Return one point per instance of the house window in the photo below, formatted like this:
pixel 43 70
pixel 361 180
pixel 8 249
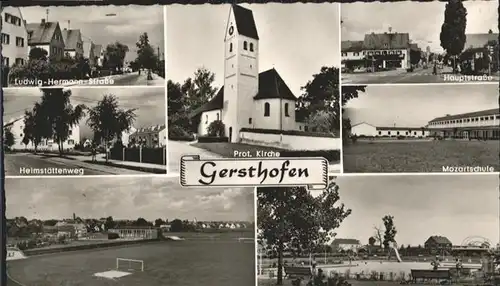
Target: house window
pixel 5 39
pixel 286 110
pixel 250 120
pixel 19 42
pixel 70 132
pixel 71 142
pixel 206 119
pixel 388 132
pixel 414 133
pixel 20 61
pixel 300 127
pixel 397 133
pixel 251 47
pixel 30 34
pixel 245 44
pixel 344 54
pixel 406 133
pixel 230 47
pixel 498 116
pixel 267 109
pixel 492 117
pixel 423 132
pixel 306 128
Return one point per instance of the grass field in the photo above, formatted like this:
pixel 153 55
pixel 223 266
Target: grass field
pixel 222 262
pixel 425 156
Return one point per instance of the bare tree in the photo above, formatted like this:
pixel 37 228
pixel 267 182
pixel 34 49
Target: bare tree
pixel 378 235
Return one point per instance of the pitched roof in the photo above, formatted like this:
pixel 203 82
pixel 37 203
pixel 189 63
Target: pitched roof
pixel 150 129
pixel 41 33
pixel 479 40
pixel 71 38
pixel 245 23
pixel 351 46
pixel 386 40
pixel 97 50
pixel 87 48
pixel 271 85
pixel 440 239
pixel 487 112
pixel 361 123
pixel 345 241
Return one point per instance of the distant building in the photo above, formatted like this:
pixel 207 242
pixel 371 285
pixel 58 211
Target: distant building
pixel 153 136
pixel 438 242
pixel 73 43
pixel 16 126
pixel 126 135
pixel 480 40
pixel 136 232
pixel 47 36
pixel 14 37
pixel 483 124
pixel 368 130
pixel 346 244
pixel 88 53
pixel 99 55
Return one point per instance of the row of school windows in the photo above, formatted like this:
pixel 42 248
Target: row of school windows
pixel 466 120
pixel 267 112
pixel 399 133
pixel 246 46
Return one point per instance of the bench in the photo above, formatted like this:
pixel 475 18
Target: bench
pixel 297 272
pixel 423 274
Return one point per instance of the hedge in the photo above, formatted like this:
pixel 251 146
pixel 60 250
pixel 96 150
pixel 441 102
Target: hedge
pixel 330 155
pixel 149 155
pixel 288 132
pixel 212 139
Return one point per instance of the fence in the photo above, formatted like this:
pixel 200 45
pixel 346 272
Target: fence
pixel 141 154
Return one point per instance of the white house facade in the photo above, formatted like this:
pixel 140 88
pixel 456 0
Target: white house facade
pixel 364 129
pixel 14 37
pixel 16 126
pixel 248 99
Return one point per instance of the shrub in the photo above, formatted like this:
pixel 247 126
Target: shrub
pixel 330 155
pixel 31 70
pixel 289 132
pixel 216 129
pixel 212 139
pixel 112 235
pixel 177 133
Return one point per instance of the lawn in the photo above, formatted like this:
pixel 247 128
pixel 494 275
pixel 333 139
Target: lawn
pixel 229 150
pixel 425 156
pixel 222 262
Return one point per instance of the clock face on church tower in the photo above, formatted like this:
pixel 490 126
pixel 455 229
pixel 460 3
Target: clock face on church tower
pixel 231 30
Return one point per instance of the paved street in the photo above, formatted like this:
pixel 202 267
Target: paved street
pixel 177 149
pixel 129 79
pixel 399 76
pixel 14 163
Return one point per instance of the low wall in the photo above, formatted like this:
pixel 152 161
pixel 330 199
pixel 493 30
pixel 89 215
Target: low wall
pixel 115 243
pixel 291 142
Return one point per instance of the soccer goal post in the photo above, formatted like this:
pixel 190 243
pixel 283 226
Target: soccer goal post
pixel 130 264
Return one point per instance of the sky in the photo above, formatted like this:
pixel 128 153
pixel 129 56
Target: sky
pixel 148 102
pixel 421 20
pixel 125 198
pixel 296 39
pixel 455 206
pixel 415 106
pixel 125 27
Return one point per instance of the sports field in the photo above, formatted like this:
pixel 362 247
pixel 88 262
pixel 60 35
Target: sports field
pixel 424 156
pixel 221 261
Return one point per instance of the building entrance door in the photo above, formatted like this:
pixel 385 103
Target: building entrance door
pixel 230 138
pixel 465 134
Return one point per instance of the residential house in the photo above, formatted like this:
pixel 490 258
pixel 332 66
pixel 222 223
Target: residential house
pixel 47 36
pixel 88 53
pixel 16 126
pixel 73 43
pixel 14 37
pixel 99 55
pixel 475 45
pixel 438 242
pixel 66 231
pixel 346 244
pixel 152 136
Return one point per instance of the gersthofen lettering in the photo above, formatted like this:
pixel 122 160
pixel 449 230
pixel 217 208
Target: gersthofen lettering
pixel 210 172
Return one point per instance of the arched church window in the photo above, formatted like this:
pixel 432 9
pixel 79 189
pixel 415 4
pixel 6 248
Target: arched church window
pixel 250 120
pixel 267 109
pixel 286 110
pixel 230 47
pixel 218 116
pixel 245 45
pixel 206 119
pixel 251 47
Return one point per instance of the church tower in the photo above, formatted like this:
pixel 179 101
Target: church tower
pixel 241 71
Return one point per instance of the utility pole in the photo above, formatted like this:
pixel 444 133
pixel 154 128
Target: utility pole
pixel 69 24
pixel 47 15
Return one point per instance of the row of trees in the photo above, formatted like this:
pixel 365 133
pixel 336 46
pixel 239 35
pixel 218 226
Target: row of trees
pixel 318 104
pixel 54 116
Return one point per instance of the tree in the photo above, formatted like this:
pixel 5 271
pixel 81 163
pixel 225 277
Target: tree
pixel 146 57
pixel 372 240
pixel 378 235
pixel 8 138
pixel 390 231
pixel 452 34
pixel 216 128
pixel 109 223
pixel 56 107
pixel 177 108
pixel 115 55
pixel 38 54
pixel 321 121
pixel 108 121
pixel 348 93
pixel 322 93
pixel 36 126
pixel 176 225
pixel 141 222
pixel 199 90
pixel 292 219
pixel 159 222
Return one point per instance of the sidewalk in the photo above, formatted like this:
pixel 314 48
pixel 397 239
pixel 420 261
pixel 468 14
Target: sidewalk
pixel 130 165
pixel 156 81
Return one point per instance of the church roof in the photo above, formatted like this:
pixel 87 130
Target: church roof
pixel 271 85
pixel 245 22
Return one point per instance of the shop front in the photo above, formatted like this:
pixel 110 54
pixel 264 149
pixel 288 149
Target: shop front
pixel 387 59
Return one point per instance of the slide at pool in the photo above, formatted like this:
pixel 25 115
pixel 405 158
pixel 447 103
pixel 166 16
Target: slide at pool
pixel 14 254
pixel 397 253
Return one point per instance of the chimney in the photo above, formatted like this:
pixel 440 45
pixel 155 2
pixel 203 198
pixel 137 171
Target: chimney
pixel 74 216
pixel 43 21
